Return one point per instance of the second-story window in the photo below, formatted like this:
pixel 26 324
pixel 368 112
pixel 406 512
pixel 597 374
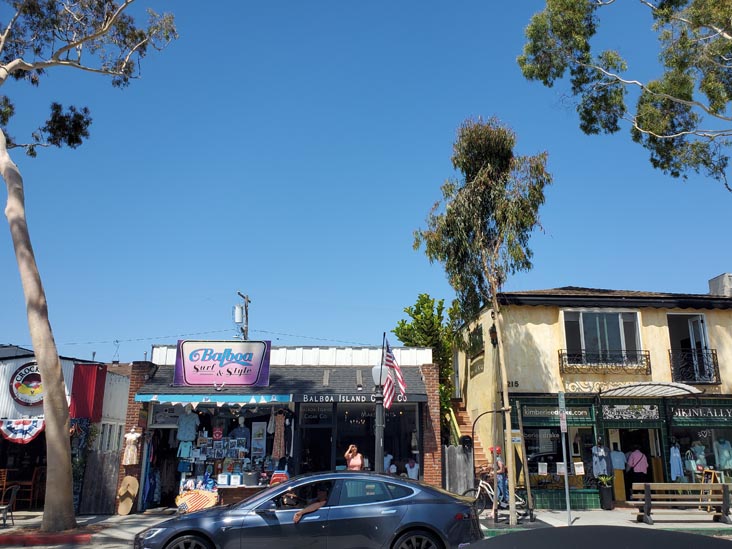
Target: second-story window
pixel 598 337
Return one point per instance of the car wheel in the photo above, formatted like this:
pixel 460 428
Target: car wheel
pixel 417 539
pixel 479 500
pixel 189 542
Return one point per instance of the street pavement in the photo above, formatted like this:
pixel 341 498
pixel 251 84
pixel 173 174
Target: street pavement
pixel 117 532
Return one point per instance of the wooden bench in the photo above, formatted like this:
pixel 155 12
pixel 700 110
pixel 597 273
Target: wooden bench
pixel 679 497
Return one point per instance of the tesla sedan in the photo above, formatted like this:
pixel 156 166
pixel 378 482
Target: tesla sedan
pixel 333 510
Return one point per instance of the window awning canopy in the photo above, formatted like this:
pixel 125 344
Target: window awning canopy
pixel 651 389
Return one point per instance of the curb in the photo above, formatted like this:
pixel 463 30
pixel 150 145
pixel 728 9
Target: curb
pixel 29 540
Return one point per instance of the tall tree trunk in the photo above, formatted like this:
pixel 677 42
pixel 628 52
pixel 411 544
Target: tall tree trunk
pixel 508 453
pixel 58 511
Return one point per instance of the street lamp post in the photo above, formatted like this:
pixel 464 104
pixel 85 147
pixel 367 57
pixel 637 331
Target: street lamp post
pixel 379 374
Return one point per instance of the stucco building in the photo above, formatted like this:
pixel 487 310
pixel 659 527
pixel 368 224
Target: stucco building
pixel 636 368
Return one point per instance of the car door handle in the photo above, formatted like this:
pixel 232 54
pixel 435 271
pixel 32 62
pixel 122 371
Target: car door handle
pixel 390 512
pixel 311 517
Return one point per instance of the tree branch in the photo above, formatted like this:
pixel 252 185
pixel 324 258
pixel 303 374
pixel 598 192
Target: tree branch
pixel 20 64
pixel 101 32
pixel 644 87
pixel 6 32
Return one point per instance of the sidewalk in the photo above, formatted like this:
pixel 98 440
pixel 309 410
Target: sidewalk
pixel 109 531
pixel 697 522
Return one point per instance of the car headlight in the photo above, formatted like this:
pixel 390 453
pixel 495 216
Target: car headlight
pixel 150 533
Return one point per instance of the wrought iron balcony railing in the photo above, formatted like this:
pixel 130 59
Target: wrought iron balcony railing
pixel 605 362
pixel 694 366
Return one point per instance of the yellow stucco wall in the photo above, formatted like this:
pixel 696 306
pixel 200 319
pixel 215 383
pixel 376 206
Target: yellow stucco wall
pixel 533 336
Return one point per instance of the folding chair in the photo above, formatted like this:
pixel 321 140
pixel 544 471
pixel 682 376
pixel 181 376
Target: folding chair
pixel 8 507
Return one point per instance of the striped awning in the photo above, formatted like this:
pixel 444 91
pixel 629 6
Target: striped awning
pixel 223 398
pixel 651 389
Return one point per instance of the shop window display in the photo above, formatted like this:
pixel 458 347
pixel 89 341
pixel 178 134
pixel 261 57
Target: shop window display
pixel 701 449
pixel 214 448
pixel 545 460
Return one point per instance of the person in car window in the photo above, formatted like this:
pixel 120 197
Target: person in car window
pixel 321 500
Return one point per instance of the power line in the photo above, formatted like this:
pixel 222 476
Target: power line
pixel 177 336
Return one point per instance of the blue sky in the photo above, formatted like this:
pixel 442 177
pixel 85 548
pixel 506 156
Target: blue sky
pixel 288 150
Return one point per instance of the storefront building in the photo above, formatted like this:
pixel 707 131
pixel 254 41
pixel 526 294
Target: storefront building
pixel 636 369
pixel 22 442
pixel 293 409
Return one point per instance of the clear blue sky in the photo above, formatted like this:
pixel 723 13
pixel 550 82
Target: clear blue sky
pixel 290 149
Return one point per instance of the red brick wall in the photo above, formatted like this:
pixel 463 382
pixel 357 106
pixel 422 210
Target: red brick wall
pixel 432 443
pixel 139 374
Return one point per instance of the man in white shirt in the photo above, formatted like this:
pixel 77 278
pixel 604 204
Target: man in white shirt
pixel 387 461
pixel 412 469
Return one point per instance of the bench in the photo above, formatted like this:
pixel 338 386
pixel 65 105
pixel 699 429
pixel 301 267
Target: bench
pixel 675 497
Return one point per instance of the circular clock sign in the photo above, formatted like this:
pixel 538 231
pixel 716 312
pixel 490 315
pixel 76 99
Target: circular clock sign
pixel 26 387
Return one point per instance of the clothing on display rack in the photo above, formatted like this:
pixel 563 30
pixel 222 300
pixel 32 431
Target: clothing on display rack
pixel 188 423
pixel 676 466
pixel 131 453
pixel 618 460
pixel 278 446
pixel 723 453
pixel 601 463
pixel 700 455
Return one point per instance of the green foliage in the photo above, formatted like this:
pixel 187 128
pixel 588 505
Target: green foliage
pixel 480 230
pixel 681 117
pixel 428 327
pixel 605 480
pixel 91 35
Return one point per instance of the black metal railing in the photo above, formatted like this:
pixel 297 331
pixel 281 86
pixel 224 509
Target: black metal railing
pixel 605 362
pixel 694 366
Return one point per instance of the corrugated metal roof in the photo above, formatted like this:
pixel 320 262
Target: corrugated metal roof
pixel 320 356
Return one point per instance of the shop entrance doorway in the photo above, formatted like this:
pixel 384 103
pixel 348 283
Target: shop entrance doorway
pixel 317 450
pixel 647 440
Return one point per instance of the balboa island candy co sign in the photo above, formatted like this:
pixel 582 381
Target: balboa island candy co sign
pixel 222 363
pixel 26 387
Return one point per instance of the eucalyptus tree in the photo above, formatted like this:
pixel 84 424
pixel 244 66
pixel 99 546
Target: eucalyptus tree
pixel 480 231
pixel 682 116
pixel 96 36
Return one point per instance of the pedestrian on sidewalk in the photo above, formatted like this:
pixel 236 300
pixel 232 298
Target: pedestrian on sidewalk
pixel 501 475
pixel 637 466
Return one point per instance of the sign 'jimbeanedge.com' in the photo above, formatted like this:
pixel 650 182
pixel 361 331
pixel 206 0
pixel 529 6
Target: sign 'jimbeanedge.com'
pixel 222 362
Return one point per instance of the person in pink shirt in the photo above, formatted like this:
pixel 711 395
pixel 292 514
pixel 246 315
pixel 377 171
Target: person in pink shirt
pixel 637 465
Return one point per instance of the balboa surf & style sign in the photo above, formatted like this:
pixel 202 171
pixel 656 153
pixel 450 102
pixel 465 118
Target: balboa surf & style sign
pixel 222 363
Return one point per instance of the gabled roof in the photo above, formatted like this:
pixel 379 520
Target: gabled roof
pixel 574 296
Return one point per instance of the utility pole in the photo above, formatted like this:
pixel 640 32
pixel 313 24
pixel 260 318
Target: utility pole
pixel 241 315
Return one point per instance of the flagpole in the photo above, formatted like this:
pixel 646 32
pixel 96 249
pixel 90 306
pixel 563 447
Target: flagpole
pixel 379 426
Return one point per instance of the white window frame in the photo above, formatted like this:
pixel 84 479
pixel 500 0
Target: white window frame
pixel 636 312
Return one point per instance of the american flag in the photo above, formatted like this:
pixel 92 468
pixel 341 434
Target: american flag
pixel 388 391
pixel 393 371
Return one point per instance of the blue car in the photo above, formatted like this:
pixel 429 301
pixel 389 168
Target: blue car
pixel 327 510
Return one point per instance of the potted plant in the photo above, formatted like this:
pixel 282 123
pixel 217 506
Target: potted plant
pixel 605 483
